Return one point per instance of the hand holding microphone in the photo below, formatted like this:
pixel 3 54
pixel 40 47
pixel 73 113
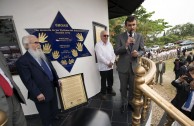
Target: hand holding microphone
pixel 134 53
pixel 130 39
pixel 131 36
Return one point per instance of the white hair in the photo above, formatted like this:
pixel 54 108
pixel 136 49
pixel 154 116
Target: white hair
pixel 37 54
pixel 25 40
pixel 101 33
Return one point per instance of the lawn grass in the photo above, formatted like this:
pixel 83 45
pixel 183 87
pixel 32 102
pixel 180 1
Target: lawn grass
pixel 169 65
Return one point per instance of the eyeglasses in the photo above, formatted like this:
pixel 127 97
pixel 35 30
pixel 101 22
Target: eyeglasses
pixel 34 42
pixel 106 36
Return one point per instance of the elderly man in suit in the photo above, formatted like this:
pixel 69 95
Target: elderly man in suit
pixel 40 79
pixel 10 96
pixel 129 46
pixel 160 70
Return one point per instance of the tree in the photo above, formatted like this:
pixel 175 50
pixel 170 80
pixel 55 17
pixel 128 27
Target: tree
pixel 149 28
pixel 183 31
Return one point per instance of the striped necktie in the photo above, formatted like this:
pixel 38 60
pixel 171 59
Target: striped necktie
pixel 46 69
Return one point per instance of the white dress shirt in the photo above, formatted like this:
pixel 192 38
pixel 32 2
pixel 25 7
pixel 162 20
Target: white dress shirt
pixel 190 105
pixel 105 55
pixel 7 79
pixel 160 67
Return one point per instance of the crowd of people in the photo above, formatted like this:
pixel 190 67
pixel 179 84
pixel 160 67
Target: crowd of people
pixel 183 81
pixel 40 78
pixel 162 54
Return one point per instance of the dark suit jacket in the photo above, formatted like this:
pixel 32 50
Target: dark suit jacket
pixel 125 59
pixel 177 66
pixel 189 58
pixel 3 102
pixel 163 67
pixel 35 79
pixel 183 90
pixel 183 70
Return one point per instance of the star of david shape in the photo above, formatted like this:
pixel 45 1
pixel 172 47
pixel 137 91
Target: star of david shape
pixel 62 43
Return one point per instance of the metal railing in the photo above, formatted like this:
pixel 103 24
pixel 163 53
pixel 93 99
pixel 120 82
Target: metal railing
pixel 143 94
pixel 3 118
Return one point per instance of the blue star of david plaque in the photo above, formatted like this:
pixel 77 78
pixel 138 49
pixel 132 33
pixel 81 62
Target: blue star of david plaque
pixel 62 43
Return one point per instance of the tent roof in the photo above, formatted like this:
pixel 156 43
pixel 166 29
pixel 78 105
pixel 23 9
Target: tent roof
pixel 118 8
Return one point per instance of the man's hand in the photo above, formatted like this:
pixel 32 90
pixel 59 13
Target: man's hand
pixel 182 78
pixel 41 97
pixel 110 65
pixel 134 53
pixel 60 83
pixel 129 41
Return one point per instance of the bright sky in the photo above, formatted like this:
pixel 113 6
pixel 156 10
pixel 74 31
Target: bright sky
pixel 172 11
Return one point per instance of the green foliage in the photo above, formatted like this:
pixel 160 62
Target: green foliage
pixel 168 39
pixel 183 31
pixel 152 29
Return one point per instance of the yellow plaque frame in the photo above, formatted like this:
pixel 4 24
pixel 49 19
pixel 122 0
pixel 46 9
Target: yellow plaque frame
pixel 73 92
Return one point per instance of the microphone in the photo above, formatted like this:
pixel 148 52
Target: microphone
pixel 130 33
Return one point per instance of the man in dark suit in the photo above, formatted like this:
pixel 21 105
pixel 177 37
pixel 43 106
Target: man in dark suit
pixel 129 46
pixel 40 79
pixel 184 68
pixel 160 70
pixel 177 66
pixel 10 96
pixel 190 57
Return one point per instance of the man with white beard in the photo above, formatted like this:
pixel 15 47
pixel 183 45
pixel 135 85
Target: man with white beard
pixel 40 78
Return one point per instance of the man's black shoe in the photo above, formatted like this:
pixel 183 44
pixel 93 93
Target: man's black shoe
pixel 111 92
pixel 103 97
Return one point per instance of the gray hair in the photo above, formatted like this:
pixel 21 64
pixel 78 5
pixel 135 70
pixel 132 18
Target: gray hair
pixel 25 40
pixel 101 33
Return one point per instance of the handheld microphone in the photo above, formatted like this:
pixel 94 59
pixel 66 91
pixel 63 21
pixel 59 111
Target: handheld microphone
pixel 130 33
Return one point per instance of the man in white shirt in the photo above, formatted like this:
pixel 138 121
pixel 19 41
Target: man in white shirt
pixel 106 58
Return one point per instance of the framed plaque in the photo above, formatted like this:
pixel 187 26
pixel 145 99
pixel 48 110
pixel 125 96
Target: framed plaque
pixel 73 91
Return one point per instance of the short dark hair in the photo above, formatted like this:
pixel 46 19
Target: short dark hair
pixel 177 59
pixel 130 19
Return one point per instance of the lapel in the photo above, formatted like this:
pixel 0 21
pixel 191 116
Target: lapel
pixel 157 65
pixel 125 37
pixel 4 66
pixel 135 43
